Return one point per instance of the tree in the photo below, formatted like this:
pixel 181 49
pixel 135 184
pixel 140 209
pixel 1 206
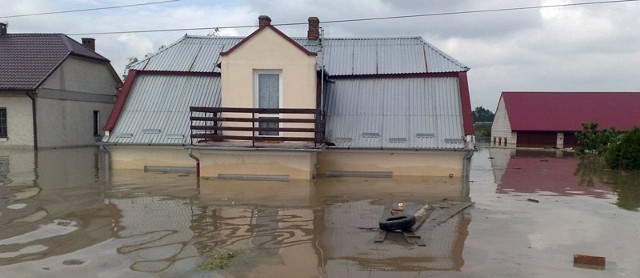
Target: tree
pixel 480 114
pixel 624 152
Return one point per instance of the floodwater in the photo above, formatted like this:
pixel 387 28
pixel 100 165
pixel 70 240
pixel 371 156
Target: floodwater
pixel 61 217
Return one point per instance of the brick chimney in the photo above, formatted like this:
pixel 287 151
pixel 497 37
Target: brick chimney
pixel 314 29
pixel 264 20
pixel 89 43
pixel 3 28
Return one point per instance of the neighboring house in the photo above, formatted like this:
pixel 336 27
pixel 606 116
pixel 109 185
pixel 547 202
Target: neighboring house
pixel 271 106
pixel 54 91
pixel 551 119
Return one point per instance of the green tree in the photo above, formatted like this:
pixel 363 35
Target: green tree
pixel 594 142
pixel 481 114
pixel 624 152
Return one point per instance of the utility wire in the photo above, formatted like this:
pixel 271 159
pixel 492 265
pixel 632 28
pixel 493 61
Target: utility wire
pixel 367 18
pixel 91 9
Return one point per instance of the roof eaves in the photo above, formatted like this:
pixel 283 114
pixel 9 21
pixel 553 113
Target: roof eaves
pixel 445 55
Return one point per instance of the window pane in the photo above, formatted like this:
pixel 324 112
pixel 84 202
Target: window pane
pixel 3 122
pixel 268 90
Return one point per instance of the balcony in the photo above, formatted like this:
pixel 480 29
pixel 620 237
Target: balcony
pixel 257 127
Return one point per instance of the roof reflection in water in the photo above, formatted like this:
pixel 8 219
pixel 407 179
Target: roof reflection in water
pixel 544 172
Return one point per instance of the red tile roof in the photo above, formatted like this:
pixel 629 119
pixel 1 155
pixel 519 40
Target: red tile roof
pixel 27 59
pixel 566 111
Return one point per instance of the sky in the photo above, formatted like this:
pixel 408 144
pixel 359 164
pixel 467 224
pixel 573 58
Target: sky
pixel 576 48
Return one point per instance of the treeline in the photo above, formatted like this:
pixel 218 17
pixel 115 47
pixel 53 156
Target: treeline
pixel 620 149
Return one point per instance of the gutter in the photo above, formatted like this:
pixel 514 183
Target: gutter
pixel 466 161
pixel 35 122
pixel 197 159
pixel 107 160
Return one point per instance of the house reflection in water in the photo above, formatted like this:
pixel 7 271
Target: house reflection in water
pixel 52 203
pixel 544 172
pixel 284 229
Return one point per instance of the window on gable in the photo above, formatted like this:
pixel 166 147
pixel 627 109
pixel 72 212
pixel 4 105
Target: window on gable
pixel 3 123
pixel 268 90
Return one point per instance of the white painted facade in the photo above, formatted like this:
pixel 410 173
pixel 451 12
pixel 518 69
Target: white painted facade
pixel 501 133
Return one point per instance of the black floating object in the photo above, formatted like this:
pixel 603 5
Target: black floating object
pixel 397 222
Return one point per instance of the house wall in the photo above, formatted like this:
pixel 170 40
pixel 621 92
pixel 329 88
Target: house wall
pixel 67 99
pixel 19 120
pixel 267 50
pixel 137 157
pixel 82 75
pixel 294 165
pixel 501 128
pixel 400 162
pixel 65 123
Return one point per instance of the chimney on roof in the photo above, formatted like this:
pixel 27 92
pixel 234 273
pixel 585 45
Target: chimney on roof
pixel 314 29
pixel 89 43
pixel 3 28
pixel 264 20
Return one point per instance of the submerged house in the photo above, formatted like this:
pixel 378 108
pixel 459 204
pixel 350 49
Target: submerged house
pixel 54 91
pixel 278 107
pixel 551 119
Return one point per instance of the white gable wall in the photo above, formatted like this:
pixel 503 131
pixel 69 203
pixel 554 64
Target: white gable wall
pixel 501 127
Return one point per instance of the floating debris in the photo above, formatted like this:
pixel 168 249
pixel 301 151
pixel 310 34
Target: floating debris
pixel 219 260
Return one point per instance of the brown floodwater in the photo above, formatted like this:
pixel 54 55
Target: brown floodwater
pixel 63 215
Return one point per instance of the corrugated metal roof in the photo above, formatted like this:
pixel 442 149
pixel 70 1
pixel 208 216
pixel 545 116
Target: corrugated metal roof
pixel 342 56
pixel 157 109
pixel 401 113
pixel 27 59
pixel 566 111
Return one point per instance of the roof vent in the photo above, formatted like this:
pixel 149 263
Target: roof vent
pixel 3 28
pixel 89 43
pixel 314 29
pixel 264 20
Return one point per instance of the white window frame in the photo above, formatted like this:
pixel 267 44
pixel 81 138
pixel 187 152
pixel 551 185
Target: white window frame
pixel 256 96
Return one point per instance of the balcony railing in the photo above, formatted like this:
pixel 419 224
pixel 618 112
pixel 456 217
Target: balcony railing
pixel 220 124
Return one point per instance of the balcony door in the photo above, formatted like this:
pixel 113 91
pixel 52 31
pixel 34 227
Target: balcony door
pixel 268 94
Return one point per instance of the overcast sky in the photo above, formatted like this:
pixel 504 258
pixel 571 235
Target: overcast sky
pixel 578 48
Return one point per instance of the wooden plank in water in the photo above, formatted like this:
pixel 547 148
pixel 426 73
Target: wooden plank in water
pixel 451 212
pixel 421 215
pixel 380 237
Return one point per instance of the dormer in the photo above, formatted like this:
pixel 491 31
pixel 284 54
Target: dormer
pixel 268 70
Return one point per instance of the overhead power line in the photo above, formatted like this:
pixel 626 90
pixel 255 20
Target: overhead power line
pixel 367 18
pixel 91 9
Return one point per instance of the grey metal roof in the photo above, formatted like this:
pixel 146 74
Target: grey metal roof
pixel 390 113
pixel 341 56
pixel 157 108
pixel 400 113
pixel 27 59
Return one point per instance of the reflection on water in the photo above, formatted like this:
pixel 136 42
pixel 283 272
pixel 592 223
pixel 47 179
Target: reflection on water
pixel 560 173
pixel 59 218
pixel 58 213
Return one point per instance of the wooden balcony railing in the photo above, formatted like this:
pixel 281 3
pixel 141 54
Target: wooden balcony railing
pixel 209 124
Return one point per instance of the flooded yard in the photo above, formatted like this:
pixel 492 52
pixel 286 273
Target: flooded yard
pixel 63 215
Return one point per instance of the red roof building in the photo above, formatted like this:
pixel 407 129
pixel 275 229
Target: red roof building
pixel 551 119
